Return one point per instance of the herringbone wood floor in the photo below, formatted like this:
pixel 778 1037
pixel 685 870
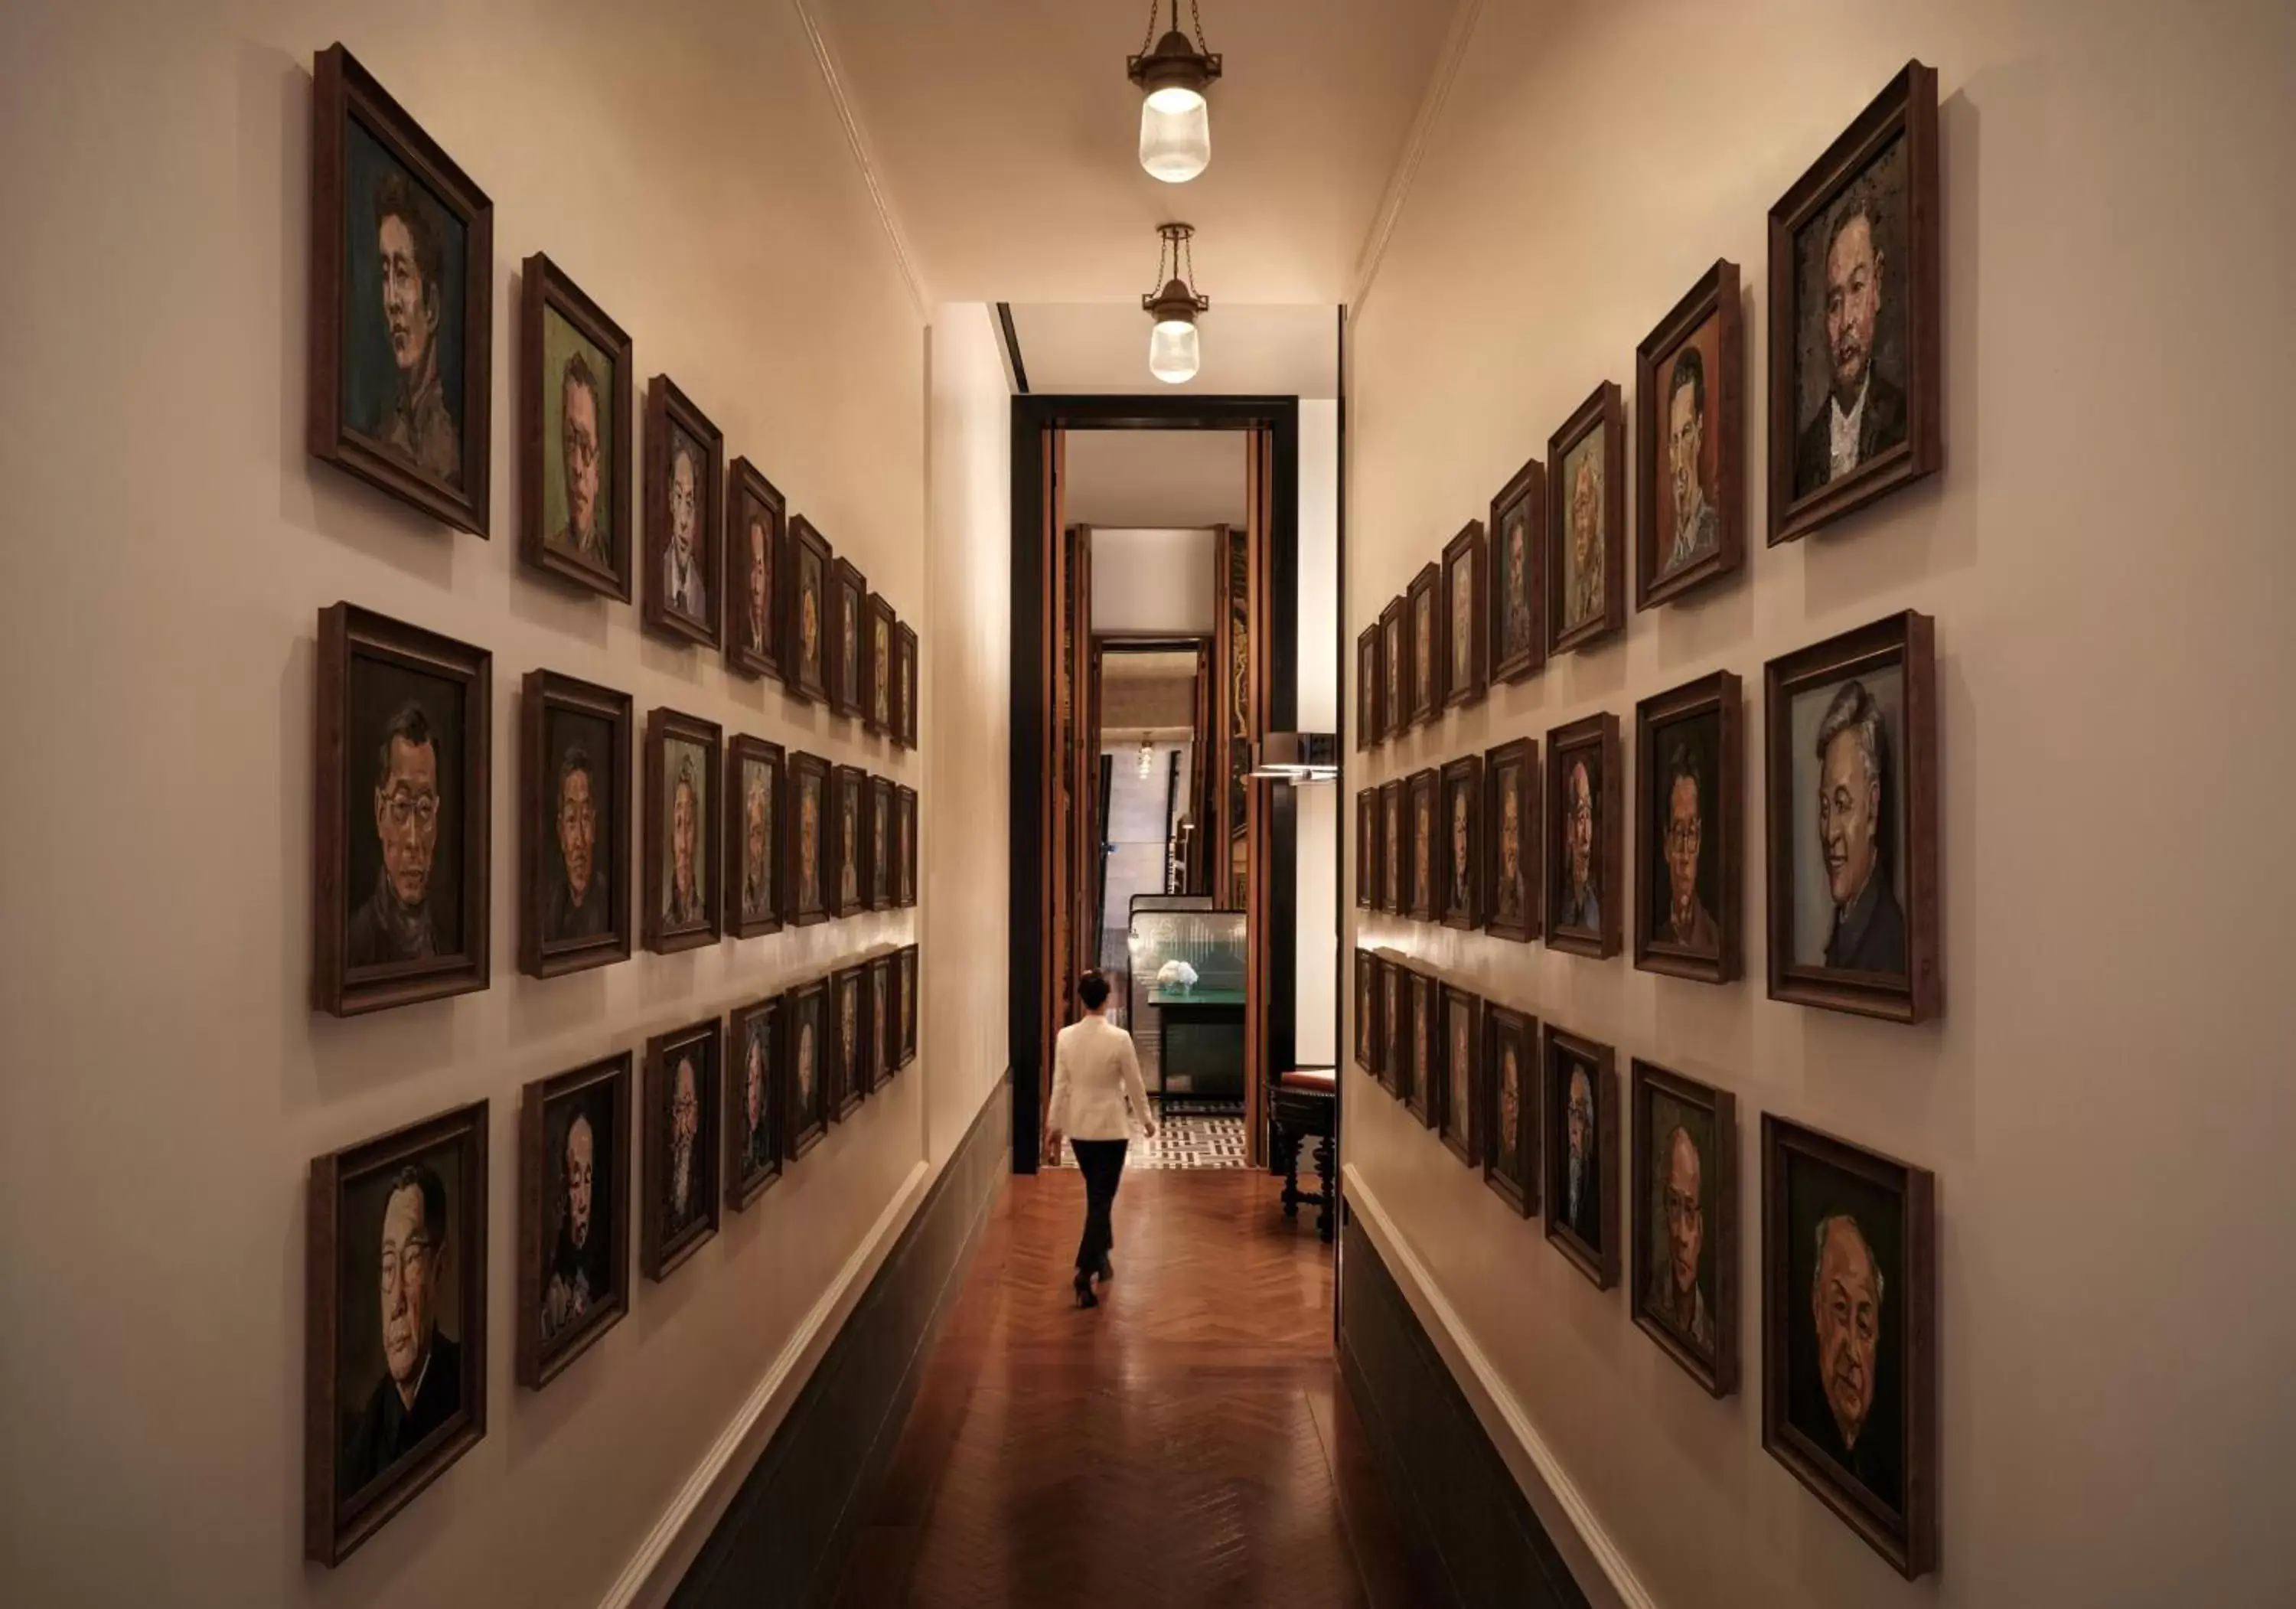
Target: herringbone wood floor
pixel 1187 1443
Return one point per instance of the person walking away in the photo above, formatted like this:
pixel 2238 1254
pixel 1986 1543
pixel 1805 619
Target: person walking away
pixel 1097 1094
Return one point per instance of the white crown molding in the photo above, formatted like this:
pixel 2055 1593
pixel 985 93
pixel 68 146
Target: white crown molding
pixel 1414 147
pixel 824 58
pixel 1518 1440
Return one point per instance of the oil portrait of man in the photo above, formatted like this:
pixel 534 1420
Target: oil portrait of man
pixel 1581 895
pixel 683 585
pixel 1686 919
pixel 1858 318
pixel 587 532
pixel 1583 555
pixel 396 923
pixel 1681 1275
pixel 683 902
pixel 579 1274
pixel 1868 929
pixel 581 901
pixel 1581 1203
pixel 1697 526
pixel 420 1385
pixel 757 842
pixel 421 425
pixel 682 1191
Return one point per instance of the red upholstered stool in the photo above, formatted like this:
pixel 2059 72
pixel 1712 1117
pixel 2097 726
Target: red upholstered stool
pixel 1306 1104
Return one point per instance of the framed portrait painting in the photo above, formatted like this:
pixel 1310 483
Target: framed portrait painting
pixel 402 301
pixel 753 837
pixel 1394 644
pixel 877 667
pixel 574 825
pixel 1517 641
pixel 395 1293
pixel 1684 1267
pixel 1690 444
pixel 1422 1096
pixel 1423 787
pixel 1856 325
pixel 1578 1097
pixel 573 1215
pixel 878 867
pixel 576 428
pixel 756 538
pixel 684 484
pixel 1367 845
pixel 753 1102
pixel 1583 831
pixel 1366 975
pixel 680 785
pixel 1459 901
pixel 849 806
pixel 804 1077
pixel 1394 1027
pixel 1371 729
pixel 1466 670
pixel 402 814
pixel 804 655
pixel 847 1081
pixel 1428 649
pixel 881 1050
pixel 805 812
pixel 904 685
pixel 1850 786
pixel 1463 1120
pixel 905 845
pixel 1586 524
pixel 1689 837
pixel 1510 1060
pixel 680 1139
pixel 1393 842
pixel 1850 1335
pixel 849 595
pixel 906 982
pixel 1511 907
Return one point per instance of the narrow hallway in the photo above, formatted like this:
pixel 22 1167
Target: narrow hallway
pixel 1186 1443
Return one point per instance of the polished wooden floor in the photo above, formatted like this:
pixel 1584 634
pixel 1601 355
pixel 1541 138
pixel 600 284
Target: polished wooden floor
pixel 1186 1443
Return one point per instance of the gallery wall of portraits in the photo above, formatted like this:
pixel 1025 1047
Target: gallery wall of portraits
pixel 459 1013
pixel 1708 1034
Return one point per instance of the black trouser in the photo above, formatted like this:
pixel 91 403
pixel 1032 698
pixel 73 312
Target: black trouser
pixel 1101 1163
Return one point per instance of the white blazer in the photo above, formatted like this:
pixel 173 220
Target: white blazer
pixel 1097 1092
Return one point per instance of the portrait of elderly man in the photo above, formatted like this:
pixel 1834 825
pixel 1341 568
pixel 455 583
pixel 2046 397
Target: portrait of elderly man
pixel 683 583
pixel 579 904
pixel 1423 832
pixel 1688 922
pixel 1834 1401
pixel 808 1075
pixel 757 845
pixel 1507 896
pixel 1868 933
pixel 1582 600
pixel 849 646
pixel 681 1194
pixel 422 1383
pixel 757 1146
pixel 808 841
pixel 1506 1143
pixel 581 1270
pixel 848 838
pixel 1863 413
pixel 756 624
pixel 1516 625
pixel 1582 893
pixel 880 661
pixel 682 901
pixel 1582 1185
pixel 421 425
pixel 808 624
pixel 1697 526
pixel 1676 1294
pixel 395 922
pixel 585 534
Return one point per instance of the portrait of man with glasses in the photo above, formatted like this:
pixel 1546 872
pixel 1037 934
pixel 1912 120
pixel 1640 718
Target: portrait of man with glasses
pixel 421 1387
pixel 398 921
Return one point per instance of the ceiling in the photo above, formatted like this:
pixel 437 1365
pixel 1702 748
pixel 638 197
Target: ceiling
pixel 1004 138
pixel 1148 668
pixel 1158 479
pixel 1249 351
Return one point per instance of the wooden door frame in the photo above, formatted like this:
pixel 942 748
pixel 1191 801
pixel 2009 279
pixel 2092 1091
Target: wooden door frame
pixel 1038 422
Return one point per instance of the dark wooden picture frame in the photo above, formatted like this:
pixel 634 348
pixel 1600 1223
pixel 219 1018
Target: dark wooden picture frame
pixel 349 921
pixel 848 1083
pixel 880 876
pixel 1718 415
pixel 805 1006
pixel 1465 684
pixel 1459 1104
pixel 848 598
pixel 848 808
pixel 750 912
pixel 877 677
pixel 664 1242
pixel 1713 1360
pixel 1903 846
pixel 905 834
pixel 904 685
pixel 911 1001
pixel 667 933
pixel 343 95
pixel 1520 509
pixel 1367 846
pixel 1459 798
pixel 1395 640
pixel 1429 645
pixel 1395 879
pixel 1371 727
pixel 1602 413
pixel 1521 917
pixel 671 412
pixel 1366 1040
pixel 883 1053
pixel 335 1520
pixel 750 1174
pixel 544 289
pixel 1506 1029
pixel 1595 737
pixel 1565 1051
pixel 1422 1050
pixel 1711 951
pixel 1905 110
pixel 804 858
pixel 1419 811
pixel 1850 1179
pixel 1393 1007
pixel 552 816
pixel 753 625
pixel 805 632
pixel 546 1216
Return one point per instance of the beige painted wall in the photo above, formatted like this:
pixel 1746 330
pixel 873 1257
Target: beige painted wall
pixel 2106 1100
pixel 170 546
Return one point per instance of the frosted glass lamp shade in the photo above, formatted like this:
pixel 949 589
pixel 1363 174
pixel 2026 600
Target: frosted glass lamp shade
pixel 1176 134
pixel 1172 351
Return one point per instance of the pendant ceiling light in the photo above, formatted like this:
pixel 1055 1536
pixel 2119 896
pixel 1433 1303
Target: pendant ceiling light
pixel 1173 353
pixel 1147 758
pixel 1175 128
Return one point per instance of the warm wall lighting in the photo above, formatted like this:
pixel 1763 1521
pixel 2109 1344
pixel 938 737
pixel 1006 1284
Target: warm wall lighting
pixel 1174 351
pixel 1147 760
pixel 1176 125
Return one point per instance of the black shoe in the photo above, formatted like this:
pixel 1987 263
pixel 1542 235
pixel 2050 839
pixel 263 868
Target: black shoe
pixel 1085 1298
pixel 1107 1269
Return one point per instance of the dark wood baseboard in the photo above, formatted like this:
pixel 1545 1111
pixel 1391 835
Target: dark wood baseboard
pixel 1456 1493
pixel 783 1538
